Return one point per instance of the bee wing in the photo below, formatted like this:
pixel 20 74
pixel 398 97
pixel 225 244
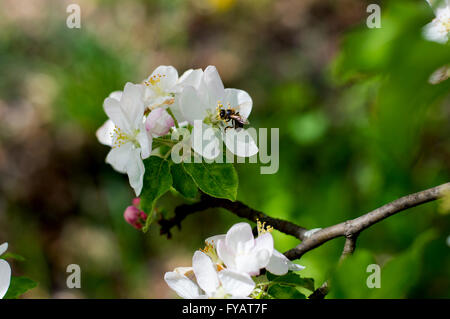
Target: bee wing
pixel 240 119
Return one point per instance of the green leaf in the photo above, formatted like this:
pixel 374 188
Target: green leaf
pixel 157 181
pixel 13 256
pixel 280 291
pixel 182 181
pixel 18 286
pixel 215 179
pixel 292 279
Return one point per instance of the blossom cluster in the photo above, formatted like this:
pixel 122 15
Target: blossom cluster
pixel 164 102
pixel 227 266
pixel 5 272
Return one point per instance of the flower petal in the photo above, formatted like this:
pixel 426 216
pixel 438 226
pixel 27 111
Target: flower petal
pixel 240 142
pixel 439 7
pixel 435 31
pixel 213 240
pixel 118 157
pixel 135 170
pixel 5 277
pixel 239 100
pixel 132 104
pixel 183 286
pixel 190 77
pixel 115 113
pixel 176 111
pixel 251 263
pixel 240 237
pixel 145 141
pixel 235 283
pixel 264 249
pixel 3 248
pixel 116 95
pixel 169 77
pixel 214 85
pixel 191 105
pixel 205 272
pixel 206 140
pixel 225 254
pixel 105 132
pixel 279 264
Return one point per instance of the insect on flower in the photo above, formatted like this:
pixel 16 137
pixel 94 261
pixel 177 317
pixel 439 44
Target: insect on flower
pixel 231 114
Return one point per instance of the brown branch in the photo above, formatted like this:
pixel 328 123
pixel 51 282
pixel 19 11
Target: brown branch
pixel 238 208
pixel 349 246
pixel 355 226
pixel 349 229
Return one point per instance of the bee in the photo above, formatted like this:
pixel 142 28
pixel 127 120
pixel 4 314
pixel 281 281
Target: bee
pixel 231 114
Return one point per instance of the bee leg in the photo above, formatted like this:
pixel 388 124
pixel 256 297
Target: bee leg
pixel 227 127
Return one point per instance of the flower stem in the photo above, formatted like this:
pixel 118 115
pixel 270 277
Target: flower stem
pixel 173 117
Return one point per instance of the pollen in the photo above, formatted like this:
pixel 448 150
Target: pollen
pixel 219 267
pixel 120 137
pixel 262 228
pixel 446 24
pixel 209 248
pixel 155 79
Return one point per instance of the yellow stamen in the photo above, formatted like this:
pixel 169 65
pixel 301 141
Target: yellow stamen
pixel 120 137
pixel 155 79
pixel 262 228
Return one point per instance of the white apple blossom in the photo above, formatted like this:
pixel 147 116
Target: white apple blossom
pixel 162 86
pixel 239 250
pixel 438 29
pixel 199 106
pixel 5 272
pixel 126 134
pixel 206 279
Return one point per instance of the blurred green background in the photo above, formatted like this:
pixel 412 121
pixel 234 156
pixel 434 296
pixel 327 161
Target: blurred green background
pixel 359 127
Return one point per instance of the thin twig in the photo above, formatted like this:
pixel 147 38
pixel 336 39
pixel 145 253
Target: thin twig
pixel 355 226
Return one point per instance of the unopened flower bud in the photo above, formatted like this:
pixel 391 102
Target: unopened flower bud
pixel 136 201
pixel 159 122
pixel 135 217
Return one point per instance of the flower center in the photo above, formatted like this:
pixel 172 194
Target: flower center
pixel 215 120
pixel 446 24
pixel 154 82
pixel 211 252
pixel 120 138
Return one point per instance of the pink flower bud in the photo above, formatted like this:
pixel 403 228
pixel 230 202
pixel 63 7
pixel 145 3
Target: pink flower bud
pixel 135 217
pixel 159 122
pixel 136 201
